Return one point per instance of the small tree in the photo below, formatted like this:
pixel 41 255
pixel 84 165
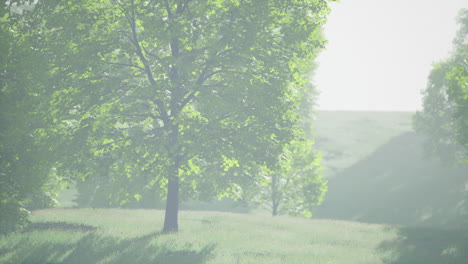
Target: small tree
pixel 296 185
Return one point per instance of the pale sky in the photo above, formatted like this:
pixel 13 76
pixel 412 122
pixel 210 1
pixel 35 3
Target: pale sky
pixel 380 52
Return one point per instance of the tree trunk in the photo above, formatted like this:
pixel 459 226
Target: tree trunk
pixel 274 195
pixel 171 220
pixel 274 212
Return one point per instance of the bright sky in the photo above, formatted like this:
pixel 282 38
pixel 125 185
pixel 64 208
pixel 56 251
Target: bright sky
pixel 380 52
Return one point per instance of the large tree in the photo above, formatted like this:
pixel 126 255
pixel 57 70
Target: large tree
pixel 444 119
pixel 191 95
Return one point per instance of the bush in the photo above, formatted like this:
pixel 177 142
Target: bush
pixel 13 216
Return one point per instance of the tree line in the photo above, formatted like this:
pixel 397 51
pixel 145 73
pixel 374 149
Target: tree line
pixel 444 118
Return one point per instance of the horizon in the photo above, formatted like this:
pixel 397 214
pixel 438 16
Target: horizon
pixel 367 111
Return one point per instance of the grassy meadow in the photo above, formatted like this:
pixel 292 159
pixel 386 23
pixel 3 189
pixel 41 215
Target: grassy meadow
pixel 133 236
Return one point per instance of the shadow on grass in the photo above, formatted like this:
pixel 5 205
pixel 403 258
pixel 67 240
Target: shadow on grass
pixel 93 247
pixel 428 246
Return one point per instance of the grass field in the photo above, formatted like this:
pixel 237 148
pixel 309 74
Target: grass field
pixel 59 236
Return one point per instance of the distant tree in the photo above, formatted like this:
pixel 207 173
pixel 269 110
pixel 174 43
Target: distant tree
pixel 444 119
pixel 296 185
pixel 193 95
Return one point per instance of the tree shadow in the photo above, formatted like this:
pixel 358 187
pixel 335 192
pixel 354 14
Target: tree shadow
pixel 94 247
pixel 59 226
pixel 419 245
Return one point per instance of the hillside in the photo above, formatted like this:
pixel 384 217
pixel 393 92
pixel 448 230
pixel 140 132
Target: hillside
pixel 382 175
pixel 115 236
pixel 344 138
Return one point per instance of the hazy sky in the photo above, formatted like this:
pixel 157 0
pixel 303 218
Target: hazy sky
pixel 380 52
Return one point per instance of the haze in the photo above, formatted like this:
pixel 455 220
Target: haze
pixel 136 131
pixel 383 52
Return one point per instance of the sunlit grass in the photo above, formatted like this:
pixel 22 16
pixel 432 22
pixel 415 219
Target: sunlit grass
pixel 132 236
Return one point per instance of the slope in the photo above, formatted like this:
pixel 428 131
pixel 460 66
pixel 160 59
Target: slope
pixel 393 184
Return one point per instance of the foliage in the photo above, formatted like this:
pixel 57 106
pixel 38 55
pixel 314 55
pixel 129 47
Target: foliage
pixel 294 185
pixel 191 96
pixel 47 195
pixel 445 116
pixel 14 215
pixel 297 185
pixel 98 192
pixel 25 167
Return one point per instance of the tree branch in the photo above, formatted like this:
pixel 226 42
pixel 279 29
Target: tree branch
pixel 192 94
pixel 168 9
pixel 101 146
pixel 144 115
pixel 182 6
pixel 125 64
pixel 204 77
pixel 131 19
pixel 130 38
pixel 187 99
pixel 224 52
pixel 162 111
pixel 136 43
pixel 151 54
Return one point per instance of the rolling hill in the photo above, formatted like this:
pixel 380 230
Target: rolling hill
pixel 344 138
pixel 378 173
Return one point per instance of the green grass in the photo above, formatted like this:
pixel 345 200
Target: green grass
pixel 132 236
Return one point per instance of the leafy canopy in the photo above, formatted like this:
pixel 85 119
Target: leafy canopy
pixel 140 84
pixel 182 93
pixel 444 119
pixel 26 176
